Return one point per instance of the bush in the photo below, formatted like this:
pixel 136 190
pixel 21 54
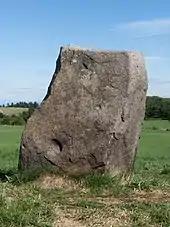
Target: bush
pixel 16 120
pixel 20 119
pixel 154 128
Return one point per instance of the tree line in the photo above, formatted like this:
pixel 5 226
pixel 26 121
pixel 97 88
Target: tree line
pixel 22 105
pixel 156 108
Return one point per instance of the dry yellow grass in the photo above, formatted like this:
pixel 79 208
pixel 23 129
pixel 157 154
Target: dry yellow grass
pixel 12 110
pixel 67 222
pixel 152 196
pixel 82 209
pixel 49 181
pixel 92 217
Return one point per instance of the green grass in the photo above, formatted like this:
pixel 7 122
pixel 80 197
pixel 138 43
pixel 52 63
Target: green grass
pixel 157 124
pixel 153 159
pixel 9 146
pixel 93 199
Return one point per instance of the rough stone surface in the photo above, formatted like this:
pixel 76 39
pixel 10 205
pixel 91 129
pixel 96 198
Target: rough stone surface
pixel 91 116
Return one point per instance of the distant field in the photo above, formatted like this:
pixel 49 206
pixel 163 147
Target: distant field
pixel 12 110
pixel 156 124
pixel 94 200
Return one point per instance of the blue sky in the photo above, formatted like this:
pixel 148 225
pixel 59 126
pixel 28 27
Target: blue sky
pixel 32 31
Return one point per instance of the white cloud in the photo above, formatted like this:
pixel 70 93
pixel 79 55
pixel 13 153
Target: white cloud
pixel 156 58
pixel 147 23
pixel 145 28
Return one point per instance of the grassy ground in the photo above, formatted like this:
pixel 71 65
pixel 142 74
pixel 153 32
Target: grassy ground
pixel 9 144
pixel 12 110
pixel 51 200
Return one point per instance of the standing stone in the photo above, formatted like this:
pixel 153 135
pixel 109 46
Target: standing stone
pixel 91 116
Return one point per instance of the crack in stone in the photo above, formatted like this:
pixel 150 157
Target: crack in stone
pixel 99 62
pixel 51 162
pixel 123 115
pixel 85 66
pixel 113 134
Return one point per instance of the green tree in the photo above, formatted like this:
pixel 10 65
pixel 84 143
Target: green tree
pixel 157 107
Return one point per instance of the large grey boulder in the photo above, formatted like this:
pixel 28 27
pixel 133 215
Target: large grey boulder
pixel 91 116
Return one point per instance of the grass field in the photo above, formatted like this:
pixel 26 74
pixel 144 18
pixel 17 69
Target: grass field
pixel 12 110
pixel 92 200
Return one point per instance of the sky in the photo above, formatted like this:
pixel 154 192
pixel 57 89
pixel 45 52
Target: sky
pixel 32 32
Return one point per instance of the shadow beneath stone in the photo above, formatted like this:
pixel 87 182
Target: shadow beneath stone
pixel 6 175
